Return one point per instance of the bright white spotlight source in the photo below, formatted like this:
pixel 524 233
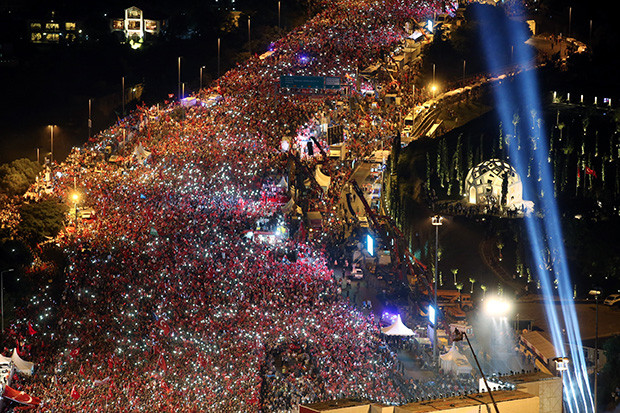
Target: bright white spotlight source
pixel 370 245
pixel 431 314
pixel 429 25
pixel 497 307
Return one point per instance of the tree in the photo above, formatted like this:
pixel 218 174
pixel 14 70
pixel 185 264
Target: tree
pixel 609 377
pixel 454 272
pixel 459 287
pixel 41 220
pixel 472 281
pixel 17 176
pixel 484 290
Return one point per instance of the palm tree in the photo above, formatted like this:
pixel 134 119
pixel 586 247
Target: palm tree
pixel 500 247
pixel 459 287
pixel 484 290
pixel 454 271
pixel 472 281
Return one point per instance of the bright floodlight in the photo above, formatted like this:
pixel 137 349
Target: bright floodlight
pixel 370 245
pixel 497 307
pixel 561 363
pixel 75 197
pixel 431 314
pixel 436 220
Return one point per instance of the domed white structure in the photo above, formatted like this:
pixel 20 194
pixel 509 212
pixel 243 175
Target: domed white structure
pixel 483 185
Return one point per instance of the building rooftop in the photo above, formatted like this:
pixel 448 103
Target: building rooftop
pixel 457 402
pixel 529 377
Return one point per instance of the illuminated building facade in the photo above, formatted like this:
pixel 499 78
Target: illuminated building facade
pixel 135 27
pixel 54 31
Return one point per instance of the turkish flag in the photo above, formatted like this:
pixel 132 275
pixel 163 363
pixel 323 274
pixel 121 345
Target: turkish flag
pixel 20 397
pixel 81 372
pixel 74 393
pixel 591 172
pixel 74 353
pixel 161 362
pixel 31 330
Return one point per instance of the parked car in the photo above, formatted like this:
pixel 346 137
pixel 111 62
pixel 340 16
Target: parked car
pixel 613 299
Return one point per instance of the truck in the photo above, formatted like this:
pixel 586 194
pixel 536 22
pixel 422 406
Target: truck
pixel 454 298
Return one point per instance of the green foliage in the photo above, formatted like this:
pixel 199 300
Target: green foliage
pixel 17 176
pixel 41 220
pixel 609 377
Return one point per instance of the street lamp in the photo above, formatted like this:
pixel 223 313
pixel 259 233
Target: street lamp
pixel 596 293
pixel 219 43
pixel 437 222
pixel 2 294
pixel 249 37
pixel 179 77
pixel 201 67
pixel 561 365
pixel 52 144
pixel 433 89
pixel 458 336
pixel 280 26
pixel 76 198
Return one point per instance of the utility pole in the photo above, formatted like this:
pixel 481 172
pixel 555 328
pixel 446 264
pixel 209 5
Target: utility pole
pixel 218 56
pixel 90 122
pixel 123 87
pixel 179 78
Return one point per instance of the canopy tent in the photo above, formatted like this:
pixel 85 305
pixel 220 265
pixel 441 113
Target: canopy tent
pixel 140 154
pixel 282 184
pixel 22 366
pixel 397 329
pixel 455 362
pixel 322 179
pixel 291 208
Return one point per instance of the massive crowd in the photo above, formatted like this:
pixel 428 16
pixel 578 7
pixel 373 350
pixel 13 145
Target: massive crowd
pixel 168 305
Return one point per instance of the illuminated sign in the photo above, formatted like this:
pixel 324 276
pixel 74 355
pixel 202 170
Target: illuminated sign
pixel 431 314
pixel 370 245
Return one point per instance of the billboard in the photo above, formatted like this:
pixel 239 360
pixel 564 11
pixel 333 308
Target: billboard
pixel 310 82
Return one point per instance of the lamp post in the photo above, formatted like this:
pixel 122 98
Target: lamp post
pixel 179 77
pixel 201 67
pixel 561 365
pixel 2 294
pixel 249 37
pixel 76 198
pixel 52 144
pixel 596 293
pixel 279 20
pixel 123 87
pixel 90 122
pixel 458 336
pixel 570 17
pixel 464 63
pixel 218 56
pixel 436 221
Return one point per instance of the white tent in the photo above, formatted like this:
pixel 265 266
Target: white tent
pixel 322 179
pixel 282 184
pixel 141 154
pixel 455 362
pixel 22 366
pixel 397 329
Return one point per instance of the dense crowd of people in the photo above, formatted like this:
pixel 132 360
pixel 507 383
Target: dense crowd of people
pixel 168 305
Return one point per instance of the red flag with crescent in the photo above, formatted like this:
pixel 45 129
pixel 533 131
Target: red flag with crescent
pixel 20 397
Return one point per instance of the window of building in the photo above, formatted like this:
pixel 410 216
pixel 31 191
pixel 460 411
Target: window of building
pixel 52 26
pixel 52 37
pixel 134 13
pixel 36 37
pixel 118 24
pixel 133 25
pixel 70 26
pixel 35 26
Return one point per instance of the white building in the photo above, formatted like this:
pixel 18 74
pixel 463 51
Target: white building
pixel 483 185
pixel 135 26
